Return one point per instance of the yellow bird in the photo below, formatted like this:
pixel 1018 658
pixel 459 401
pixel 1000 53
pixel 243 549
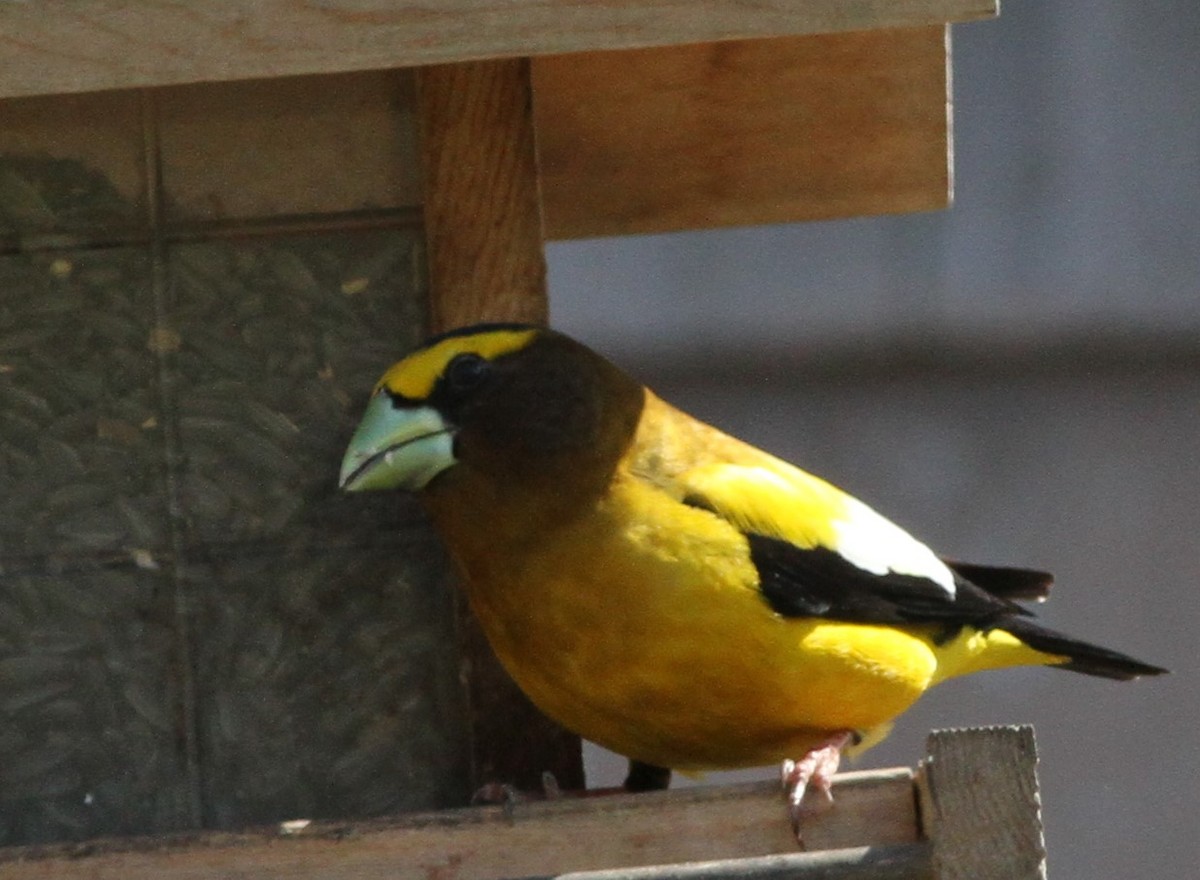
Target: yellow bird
pixel 667 591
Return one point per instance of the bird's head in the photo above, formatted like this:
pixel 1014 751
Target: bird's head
pixel 506 400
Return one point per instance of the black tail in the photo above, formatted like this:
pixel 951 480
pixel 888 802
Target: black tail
pixel 1085 658
pixel 1024 584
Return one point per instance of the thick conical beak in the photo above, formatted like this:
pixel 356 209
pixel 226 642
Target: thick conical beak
pixel 397 447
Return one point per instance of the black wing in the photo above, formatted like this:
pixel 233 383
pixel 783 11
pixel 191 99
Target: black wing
pixel 819 582
pixel 1027 584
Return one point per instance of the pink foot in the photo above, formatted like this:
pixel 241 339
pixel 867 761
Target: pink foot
pixel 507 796
pixel 815 769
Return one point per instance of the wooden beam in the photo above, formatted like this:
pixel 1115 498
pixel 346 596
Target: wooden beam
pixel 483 228
pixel 980 805
pixel 746 132
pixel 483 219
pixel 49 48
pixel 872 809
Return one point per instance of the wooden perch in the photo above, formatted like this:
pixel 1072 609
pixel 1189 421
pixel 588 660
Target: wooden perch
pixel 974 814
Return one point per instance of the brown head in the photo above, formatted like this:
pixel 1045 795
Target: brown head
pixel 500 410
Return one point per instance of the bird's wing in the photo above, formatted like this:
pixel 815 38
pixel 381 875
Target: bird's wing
pixel 1026 584
pixel 821 553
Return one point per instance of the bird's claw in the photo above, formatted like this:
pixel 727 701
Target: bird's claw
pixel 501 794
pixel 508 796
pixel 551 790
pixel 815 770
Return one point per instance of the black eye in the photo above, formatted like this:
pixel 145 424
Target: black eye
pixel 465 372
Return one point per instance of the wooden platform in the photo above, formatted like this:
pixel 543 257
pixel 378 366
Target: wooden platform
pixel 969 810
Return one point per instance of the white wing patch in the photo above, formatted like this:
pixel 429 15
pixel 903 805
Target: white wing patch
pixel 875 544
pixel 782 501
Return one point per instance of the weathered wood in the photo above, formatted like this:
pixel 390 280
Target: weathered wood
pixel 980 806
pixel 483 229
pixel 759 131
pixel 48 48
pixel 871 809
pixel 908 861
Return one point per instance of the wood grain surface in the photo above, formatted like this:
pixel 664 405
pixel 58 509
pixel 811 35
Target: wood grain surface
pixel 90 45
pixel 980 805
pixel 747 132
pixel 483 229
pixel 483 216
pixel 535 839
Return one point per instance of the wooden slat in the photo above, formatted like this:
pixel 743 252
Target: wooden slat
pixel 760 131
pixel 483 228
pixel 980 806
pixel 47 48
pixel 295 146
pixel 873 809
pixel 909 861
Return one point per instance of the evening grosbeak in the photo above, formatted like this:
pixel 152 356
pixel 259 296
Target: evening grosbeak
pixel 667 591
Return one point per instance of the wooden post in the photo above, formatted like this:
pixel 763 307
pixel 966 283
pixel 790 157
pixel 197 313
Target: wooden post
pixel 980 806
pixel 482 201
pixel 483 225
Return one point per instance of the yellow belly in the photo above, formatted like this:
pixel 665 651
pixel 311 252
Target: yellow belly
pixel 654 642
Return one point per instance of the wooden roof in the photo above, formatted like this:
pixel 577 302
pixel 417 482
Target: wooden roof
pixel 90 45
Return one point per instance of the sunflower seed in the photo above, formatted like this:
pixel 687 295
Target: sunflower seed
pixel 147 702
pixel 30 337
pixel 77 495
pixel 15 395
pixel 17 698
pixel 15 671
pixel 163 340
pixel 91 528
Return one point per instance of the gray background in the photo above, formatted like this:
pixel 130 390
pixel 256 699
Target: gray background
pixel 1016 380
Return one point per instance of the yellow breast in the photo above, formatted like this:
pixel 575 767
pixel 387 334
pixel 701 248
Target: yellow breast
pixel 640 627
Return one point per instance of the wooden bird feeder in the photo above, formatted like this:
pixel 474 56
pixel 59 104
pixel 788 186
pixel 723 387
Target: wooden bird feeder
pixel 242 211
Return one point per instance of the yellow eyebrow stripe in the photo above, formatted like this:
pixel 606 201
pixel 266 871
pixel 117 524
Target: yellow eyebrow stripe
pixel 415 377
